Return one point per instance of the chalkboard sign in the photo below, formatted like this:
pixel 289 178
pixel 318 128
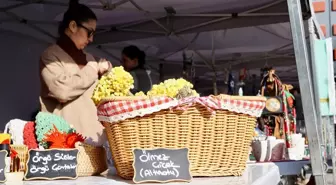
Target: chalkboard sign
pixel 52 164
pixel 3 155
pixel 161 165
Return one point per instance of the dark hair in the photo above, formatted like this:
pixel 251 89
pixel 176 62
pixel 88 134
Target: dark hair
pixel 134 52
pixel 76 12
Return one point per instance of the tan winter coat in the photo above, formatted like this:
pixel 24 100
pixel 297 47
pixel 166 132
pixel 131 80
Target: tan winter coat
pixel 62 80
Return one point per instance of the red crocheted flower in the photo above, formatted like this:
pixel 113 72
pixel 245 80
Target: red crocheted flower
pixel 58 139
pixel 29 137
pixel 73 138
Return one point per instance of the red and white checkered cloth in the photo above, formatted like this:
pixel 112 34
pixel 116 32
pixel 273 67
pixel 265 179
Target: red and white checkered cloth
pixel 115 111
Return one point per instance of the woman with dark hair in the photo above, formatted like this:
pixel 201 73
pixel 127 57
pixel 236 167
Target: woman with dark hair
pixel 69 74
pixel 134 60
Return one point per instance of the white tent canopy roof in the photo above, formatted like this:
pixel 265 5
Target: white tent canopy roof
pixel 236 33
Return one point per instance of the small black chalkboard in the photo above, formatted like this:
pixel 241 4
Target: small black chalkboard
pixel 52 164
pixel 161 165
pixel 3 155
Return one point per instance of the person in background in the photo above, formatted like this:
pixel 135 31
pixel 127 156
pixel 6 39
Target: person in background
pixel 69 74
pixel 133 60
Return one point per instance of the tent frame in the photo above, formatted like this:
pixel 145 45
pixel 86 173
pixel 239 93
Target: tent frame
pixel 128 27
pixel 187 44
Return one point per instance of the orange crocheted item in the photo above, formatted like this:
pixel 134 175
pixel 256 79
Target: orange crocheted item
pixel 58 139
pixel 73 138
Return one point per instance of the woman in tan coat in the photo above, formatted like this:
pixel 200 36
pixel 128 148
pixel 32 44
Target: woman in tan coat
pixel 69 75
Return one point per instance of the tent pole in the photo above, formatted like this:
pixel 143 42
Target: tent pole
pixel 182 48
pixel 312 119
pixel 126 25
pixel 142 31
pixel 275 34
pixel 147 14
pixel 23 21
pixel 226 18
pixel 249 13
pixel 230 15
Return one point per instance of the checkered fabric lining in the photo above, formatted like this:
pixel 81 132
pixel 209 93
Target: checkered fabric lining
pixel 114 111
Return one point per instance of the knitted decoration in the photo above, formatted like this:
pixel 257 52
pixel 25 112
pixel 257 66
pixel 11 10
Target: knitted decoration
pixel 29 137
pixel 45 123
pixel 58 139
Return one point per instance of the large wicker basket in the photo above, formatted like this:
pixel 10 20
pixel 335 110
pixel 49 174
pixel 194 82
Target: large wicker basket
pixel 218 144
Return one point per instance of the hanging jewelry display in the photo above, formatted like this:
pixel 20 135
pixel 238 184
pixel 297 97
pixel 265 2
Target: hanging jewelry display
pixel 279 116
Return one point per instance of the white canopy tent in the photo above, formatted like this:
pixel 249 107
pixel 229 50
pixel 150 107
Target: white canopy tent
pixel 218 34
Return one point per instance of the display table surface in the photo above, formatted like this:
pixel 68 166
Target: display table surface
pixel 288 167
pixel 255 174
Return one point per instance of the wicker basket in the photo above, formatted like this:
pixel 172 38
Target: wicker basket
pixel 218 144
pixel 91 160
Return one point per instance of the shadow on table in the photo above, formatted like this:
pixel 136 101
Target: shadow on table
pixel 112 175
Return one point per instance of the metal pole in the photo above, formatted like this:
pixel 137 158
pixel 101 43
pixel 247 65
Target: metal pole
pixel 329 120
pixel 226 18
pixel 322 124
pixel 306 86
pixel 228 15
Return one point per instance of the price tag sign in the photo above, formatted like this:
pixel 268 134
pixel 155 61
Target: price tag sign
pixel 161 165
pixel 52 164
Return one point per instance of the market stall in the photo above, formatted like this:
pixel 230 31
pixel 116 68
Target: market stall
pixel 179 117
pixel 168 134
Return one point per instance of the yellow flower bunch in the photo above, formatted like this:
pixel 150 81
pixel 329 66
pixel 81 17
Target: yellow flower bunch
pixel 117 82
pixel 140 94
pixel 171 88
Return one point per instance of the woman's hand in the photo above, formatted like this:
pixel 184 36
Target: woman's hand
pixel 104 66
